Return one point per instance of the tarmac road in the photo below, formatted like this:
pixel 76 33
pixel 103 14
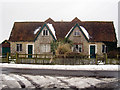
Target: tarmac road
pixel 52 78
pixel 87 73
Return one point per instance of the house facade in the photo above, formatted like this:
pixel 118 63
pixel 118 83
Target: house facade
pixel 88 37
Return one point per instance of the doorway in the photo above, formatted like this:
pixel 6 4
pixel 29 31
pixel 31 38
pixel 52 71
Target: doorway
pixel 30 50
pixel 92 51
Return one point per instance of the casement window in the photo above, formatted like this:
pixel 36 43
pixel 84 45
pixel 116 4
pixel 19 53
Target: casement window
pixel 104 49
pixel 45 48
pixel 45 32
pixel 77 33
pixel 77 48
pixel 19 47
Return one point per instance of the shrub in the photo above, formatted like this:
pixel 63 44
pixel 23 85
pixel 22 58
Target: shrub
pixel 112 54
pixel 63 49
pixel 54 45
pixel 59 44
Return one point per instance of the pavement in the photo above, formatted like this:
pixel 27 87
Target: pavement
pixel 63 67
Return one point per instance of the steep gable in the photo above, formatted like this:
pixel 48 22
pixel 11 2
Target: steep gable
pixel 72 29
pixel 50 29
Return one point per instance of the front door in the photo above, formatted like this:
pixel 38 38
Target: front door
pixel 92 51
pixel 30 50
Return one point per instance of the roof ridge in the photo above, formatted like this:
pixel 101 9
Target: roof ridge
pixel 30 22
pixel 98 21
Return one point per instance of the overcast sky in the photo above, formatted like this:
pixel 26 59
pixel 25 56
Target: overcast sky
pixel 66 10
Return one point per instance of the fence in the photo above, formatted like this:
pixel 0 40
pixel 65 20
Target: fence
pixel 60 60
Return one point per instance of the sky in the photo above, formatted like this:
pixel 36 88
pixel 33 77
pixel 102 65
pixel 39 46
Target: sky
pixel 39 10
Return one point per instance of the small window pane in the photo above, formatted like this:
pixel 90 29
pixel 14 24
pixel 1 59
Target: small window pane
pixel 20 47
pixel 17 47
pixel 103 48
pixel 77 33
pixel 77 48
pixel 43 32
pixel 46 32
pixel 80 48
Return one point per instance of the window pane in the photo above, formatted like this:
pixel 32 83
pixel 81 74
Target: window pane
pixel 78 33
pixel 77 47
pixel 80 48
pixel 106 49
pixel 44 46
pixel 43 32
pixel 103 48
pixel 20 47
pixel 47 48
pixel 75 33
pixel 17 47
pixel 46 32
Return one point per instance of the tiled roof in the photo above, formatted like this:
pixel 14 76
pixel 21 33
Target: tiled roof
pixel 99 31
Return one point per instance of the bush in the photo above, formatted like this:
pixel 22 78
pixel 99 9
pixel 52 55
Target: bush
pixel 56 46
pixel 112 54
pixel 63 49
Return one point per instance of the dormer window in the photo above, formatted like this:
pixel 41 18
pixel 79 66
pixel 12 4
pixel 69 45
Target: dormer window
pixel 45 32
pixel 77 33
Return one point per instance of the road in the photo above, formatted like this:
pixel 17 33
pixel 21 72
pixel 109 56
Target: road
pixel 51 78
pixel 87 73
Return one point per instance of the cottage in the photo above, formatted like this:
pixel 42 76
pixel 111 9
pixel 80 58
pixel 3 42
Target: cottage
pixel 89 37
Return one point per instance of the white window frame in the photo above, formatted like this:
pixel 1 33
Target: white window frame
pixel 18 45
pixel 76 33
pixel 45 32
pixel 79 45
pixel 45 46
pixel 104 48
pixel 95 48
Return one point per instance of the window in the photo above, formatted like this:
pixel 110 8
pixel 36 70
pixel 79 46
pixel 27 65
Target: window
pixel 45 32
pixel 77 48
pixel 19 47
pixel 77 33
pixel 45 48
pixel 104 49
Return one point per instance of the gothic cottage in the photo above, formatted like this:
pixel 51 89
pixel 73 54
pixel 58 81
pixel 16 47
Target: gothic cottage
pixel 88 37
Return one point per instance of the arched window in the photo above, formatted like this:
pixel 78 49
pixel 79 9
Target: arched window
pixel 45 32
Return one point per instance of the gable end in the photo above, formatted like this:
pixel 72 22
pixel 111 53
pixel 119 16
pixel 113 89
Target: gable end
pixel 45 25
pixel 67 36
